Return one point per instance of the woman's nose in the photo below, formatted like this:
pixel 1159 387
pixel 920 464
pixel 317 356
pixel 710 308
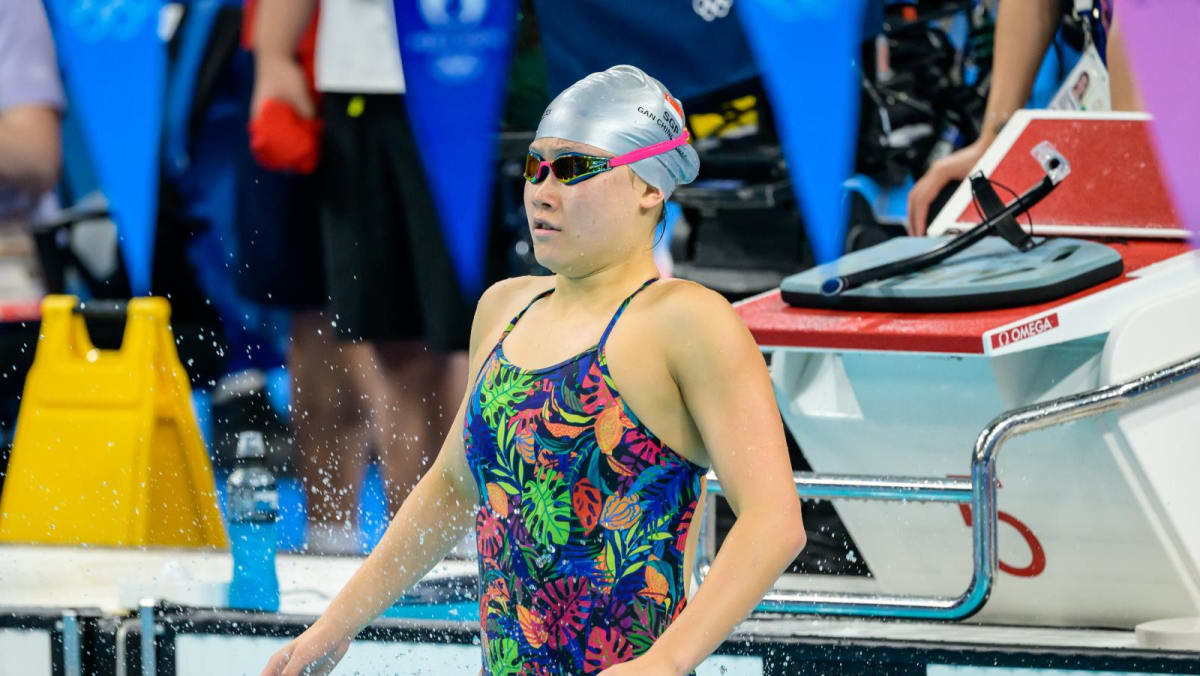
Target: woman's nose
pixel 542 194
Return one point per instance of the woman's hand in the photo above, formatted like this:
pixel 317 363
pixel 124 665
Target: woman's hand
pixel 313 653
pixel 950 169
pixel 284 79
pixel 646 665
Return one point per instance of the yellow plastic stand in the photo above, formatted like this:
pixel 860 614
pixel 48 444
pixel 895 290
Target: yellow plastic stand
pixel 107 450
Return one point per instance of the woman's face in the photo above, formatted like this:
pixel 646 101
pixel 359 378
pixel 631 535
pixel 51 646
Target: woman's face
pixel 1081 85
pixel 577 229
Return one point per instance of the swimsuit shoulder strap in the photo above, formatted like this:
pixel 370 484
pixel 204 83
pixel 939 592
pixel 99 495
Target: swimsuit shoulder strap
pixel 617 315
pixel 525 309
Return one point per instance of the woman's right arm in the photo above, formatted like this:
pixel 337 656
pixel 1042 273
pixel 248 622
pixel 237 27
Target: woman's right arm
pixel 278 27
pixel 429 523
pixel 1024 31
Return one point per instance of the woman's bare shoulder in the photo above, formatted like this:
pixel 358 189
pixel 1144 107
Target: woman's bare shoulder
pixel 673 300
pixel 502 301
pixel 689 320
pixel 513 291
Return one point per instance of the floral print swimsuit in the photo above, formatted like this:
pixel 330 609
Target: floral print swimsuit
pixel 582 520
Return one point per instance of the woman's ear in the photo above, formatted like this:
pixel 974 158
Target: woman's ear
pixel 651 196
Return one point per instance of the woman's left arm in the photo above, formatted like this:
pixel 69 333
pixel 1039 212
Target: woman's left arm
pixel 725 385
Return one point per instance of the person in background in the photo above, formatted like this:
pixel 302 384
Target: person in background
pixel 1024 30
pixel 395 303
pixel 278 205
pixel 31 100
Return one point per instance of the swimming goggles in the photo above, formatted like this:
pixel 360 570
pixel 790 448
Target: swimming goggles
pixel 571 168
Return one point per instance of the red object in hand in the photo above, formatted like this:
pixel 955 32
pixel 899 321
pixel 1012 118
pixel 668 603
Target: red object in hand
pixel 282 140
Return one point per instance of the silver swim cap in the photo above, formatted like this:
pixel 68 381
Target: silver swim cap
pixel 621 110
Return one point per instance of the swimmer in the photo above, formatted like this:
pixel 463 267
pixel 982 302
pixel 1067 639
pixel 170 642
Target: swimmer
pixel 599 398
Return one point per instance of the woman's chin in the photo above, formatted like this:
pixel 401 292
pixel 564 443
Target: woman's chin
pixel 559 266
pixel 547 260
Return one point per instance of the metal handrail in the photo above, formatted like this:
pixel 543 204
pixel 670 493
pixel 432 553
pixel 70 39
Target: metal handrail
pixel 149 634
pixel 72 651
pixel 980 491
pixel 869 487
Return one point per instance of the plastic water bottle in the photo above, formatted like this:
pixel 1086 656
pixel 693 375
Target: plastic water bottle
pixel 253 508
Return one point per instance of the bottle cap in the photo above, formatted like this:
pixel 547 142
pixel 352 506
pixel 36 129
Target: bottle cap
pixel 250 445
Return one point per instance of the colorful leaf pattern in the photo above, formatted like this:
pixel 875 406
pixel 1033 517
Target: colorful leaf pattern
pixel 504 657
pixel 533 626
pixel 498 499
pixel 547 508
pixel 620 513
pixel 606 647
pixel 500 395
pixel 565 605
pixel 587 503
pixel 582 518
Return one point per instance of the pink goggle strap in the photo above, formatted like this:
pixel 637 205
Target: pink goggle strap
pixel 650 151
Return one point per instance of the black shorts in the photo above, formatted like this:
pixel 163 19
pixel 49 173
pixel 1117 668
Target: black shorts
pixel 279 259
pixel 388 271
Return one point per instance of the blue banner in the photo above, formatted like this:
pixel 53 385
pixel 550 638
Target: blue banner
pixel 695 48
pixel 113 65
pixel 455 57
pixel 807 52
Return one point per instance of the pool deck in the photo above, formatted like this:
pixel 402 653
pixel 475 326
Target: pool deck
pixel 113 580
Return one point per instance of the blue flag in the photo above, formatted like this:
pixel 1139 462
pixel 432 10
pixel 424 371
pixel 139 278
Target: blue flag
pixel 703 51
pixel 455 57
pixel 114 70
pixel 807 53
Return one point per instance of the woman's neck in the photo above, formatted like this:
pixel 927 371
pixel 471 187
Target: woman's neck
pixel 599 290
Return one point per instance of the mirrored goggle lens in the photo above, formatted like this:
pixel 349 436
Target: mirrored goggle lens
pixel 570 167
pixel 566 168
pixel 533 168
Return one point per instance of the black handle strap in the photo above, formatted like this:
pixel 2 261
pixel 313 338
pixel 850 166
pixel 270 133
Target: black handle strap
pixel 114 310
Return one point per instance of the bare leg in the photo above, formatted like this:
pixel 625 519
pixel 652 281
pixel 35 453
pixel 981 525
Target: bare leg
pixel 329 420
pixel 411 407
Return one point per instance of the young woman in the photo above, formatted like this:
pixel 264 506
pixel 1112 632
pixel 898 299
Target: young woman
pixel 579 450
